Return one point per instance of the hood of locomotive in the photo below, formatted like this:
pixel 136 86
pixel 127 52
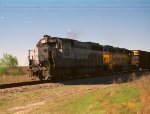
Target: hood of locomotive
pixel 41 55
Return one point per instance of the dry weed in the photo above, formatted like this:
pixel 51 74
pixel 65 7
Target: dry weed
pixel 145 95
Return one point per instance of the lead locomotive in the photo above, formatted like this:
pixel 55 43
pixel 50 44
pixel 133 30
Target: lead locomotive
pixel 57 58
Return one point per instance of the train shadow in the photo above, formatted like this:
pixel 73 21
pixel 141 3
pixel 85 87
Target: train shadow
pixel 105 79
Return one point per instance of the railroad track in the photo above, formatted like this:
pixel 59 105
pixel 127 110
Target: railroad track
pixel 12 85
pixel 109 79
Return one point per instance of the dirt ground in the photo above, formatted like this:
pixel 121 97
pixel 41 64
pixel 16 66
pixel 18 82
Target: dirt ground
pixel 54 97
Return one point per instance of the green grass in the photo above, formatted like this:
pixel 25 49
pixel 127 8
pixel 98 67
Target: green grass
pixel 85 103
pixel 74 104
pixel 124 100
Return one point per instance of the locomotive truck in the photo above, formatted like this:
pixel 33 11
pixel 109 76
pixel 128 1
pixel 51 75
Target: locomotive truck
pixel 56 58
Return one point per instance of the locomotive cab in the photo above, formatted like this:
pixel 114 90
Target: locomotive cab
pixel 41 59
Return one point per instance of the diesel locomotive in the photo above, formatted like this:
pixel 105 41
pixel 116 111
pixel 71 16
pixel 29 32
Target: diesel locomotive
pixel 57 58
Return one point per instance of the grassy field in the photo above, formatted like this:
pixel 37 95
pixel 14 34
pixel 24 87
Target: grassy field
pixel 125 98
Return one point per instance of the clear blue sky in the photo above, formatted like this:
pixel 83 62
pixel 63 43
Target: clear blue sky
pixel 109 22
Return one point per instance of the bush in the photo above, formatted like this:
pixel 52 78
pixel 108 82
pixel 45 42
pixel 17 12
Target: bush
pixel 8 61
pixel 9 65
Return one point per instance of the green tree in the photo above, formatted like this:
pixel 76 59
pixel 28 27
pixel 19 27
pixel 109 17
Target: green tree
pixel 8 60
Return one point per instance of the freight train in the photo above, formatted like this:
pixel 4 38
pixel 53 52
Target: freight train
pixel 57 58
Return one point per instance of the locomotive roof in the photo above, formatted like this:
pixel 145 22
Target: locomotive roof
pixel 90 44
pixel 80 44
pixel 77 41
pixel 115 49
pixel 63 39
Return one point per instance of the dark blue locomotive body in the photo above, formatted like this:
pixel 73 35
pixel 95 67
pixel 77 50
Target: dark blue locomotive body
pixel 57 58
